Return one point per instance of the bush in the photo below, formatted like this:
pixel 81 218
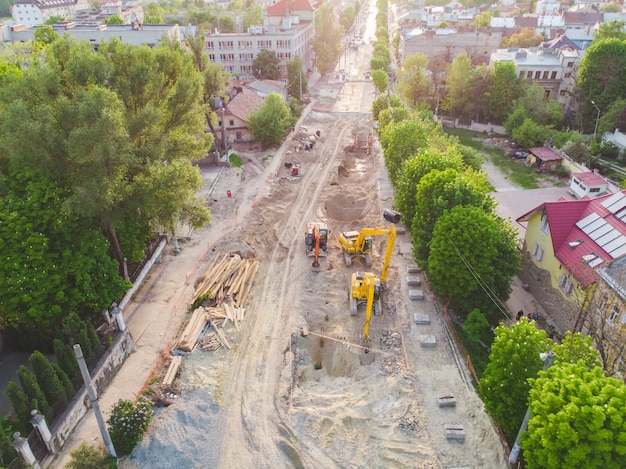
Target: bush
pixel 609 150
pixel 48 380
pixel 128 422
pixel 66 358
pixel 562 172
pixel 89 457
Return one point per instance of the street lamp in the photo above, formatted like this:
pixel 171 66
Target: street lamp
pixel 595 130
pixel 548 358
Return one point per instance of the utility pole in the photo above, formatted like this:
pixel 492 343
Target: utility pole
pixel 91 392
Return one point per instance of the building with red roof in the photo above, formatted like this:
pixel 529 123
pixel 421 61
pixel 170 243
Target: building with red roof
pixel 587 184
pixel 568 244
pixel 544 159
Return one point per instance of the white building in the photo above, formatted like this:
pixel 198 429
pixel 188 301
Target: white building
pixel 32 13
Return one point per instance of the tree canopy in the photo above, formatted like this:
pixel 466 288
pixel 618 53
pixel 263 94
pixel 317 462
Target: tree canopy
pixel 413 84
pixel 265 65
pixel 271 121
pixel 328 36
pixel 578 419
pixel 515 357
pixel 473 258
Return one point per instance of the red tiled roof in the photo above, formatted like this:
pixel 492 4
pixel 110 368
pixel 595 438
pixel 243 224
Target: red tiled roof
pixel 545 154
pixel 280 8
pixel 526 21
pixel 244 103
pixel 569 242
pixel 574 17
pixel 590 178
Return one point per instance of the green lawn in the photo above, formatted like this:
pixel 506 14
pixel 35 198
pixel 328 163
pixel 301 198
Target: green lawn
pixel 517 173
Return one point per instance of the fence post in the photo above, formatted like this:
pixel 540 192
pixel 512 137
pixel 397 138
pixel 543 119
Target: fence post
pixel 117 316
pixel 39 422
pixel 22 447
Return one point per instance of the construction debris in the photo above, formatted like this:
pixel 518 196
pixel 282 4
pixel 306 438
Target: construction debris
pixel 229 277
pixel 172 371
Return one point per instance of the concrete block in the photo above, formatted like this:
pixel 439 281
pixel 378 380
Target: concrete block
pixel 416 294
pixel 413 281
pixel 421 318
pixel 412 269
pixel 406 248
pixel 400 230
pixel 454 432
pixel 446 401
pixel 428 341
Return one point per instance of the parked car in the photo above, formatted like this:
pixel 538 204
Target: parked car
pixel 520 155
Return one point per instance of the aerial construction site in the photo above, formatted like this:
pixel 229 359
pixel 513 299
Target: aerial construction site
pixel 328 367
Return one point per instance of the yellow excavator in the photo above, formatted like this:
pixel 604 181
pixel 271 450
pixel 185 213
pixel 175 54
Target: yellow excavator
pixel 360 243
pixel 366 287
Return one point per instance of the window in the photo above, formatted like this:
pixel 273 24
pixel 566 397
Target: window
pixel 570 64
pixel 553 76
pixel 602 305
pixel 522 74
pixel 537 75
pixel 545 227
pixel 212 58
pixel 287 55
pixel 231 122
pixel 568 75
pixel 537 252
pixel 546 94
pixel 566 285
pixel 545 75
pixel 594 189
pixel 210 45
pixel 225 45
pixel 613 314
pixel 238 136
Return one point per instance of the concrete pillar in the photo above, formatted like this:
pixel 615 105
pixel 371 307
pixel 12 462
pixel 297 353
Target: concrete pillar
pixel 116 312
pixel 39 422
pixel 176 245
pixel 22 447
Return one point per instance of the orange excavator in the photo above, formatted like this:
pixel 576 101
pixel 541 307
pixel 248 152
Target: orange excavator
pixel 316 241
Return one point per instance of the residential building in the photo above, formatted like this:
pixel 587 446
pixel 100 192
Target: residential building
pixel 447 43
pixel 553 65
pixel 234 115
pixel 288 30
pixel 567 245
pixel 32 13
pixel 136 34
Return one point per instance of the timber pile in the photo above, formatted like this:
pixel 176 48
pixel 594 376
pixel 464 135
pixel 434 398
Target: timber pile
pixel 215 338
pixel 172 370
pixel 229 277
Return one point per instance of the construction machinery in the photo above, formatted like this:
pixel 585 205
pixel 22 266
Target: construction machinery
pixel 361 243
pixel 316 241
pixel 365 288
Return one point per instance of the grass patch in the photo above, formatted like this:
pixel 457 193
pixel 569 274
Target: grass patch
pixel 518 173
pixel 235 160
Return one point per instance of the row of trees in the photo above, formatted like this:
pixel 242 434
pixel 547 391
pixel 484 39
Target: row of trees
pixel 577 412
pixel 98 157
pixel 468 252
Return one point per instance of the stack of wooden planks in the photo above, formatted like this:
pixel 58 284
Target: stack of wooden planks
pixel 172 370
pixel 214 338
pixel 229 276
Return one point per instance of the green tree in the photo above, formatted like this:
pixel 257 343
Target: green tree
pixel 90 457
pixel 253 16
pixel 471 253
pixel 613 118
pixel 482 19
pixel 113 19
pixel 456 84
pixel 380 80
pixel 45 34
pixel 47 379
pixel 516 119
pixel 394 114
pixel 413 84
pixel 8 453
pixel 577 419
pixel 575 347
pixel 599 78
pixel 446 186
pixel 379 62
pixel 504 90
pixel 266 65
pixel 400 141
pixel 530 134
pixel 297 83
pixel 21 404
pixel 214 83
pixel 327 41
pixel 384 102
pixel 514 358
pixel 153 13
pixel 36 397
pixel 346 18
pixel 270 122
pixel 538 108
pixel 475 325
pixel 54 19
pixel 477 93
pixel 611 29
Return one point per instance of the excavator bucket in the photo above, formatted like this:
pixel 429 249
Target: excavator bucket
pixel 316 265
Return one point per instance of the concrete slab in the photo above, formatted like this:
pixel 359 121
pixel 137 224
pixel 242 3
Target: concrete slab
pixel 428 341
pixel 413 281
pixel 416 294
pixel 454 432
pixel 446 401
pixel 406 248
pixel 421 318
pixel 412 269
